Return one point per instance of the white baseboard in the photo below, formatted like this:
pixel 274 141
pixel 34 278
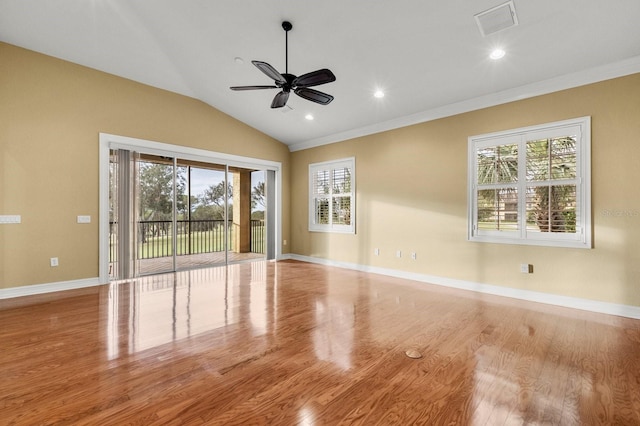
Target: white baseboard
pixel 627 311
pixel 30 290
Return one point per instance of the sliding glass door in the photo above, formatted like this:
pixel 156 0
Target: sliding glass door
pixel 155 206
pixel 203 228
pixel 168 214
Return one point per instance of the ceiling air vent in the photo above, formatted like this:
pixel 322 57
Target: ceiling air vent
pixel 497 18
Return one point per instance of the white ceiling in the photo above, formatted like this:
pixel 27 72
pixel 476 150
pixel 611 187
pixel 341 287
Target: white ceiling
pixel 429 57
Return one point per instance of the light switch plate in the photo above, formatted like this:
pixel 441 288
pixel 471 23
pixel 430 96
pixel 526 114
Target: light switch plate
pixel 10 218
pixel 526 268
pixel 84 219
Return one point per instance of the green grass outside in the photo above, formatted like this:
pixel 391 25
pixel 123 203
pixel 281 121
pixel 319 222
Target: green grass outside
pixel 201 242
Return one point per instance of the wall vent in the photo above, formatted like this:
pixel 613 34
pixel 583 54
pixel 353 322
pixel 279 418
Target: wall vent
pixel 497 18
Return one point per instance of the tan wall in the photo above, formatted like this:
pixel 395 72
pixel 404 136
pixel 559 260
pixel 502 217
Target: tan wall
pixel 51 113
pixel 412 196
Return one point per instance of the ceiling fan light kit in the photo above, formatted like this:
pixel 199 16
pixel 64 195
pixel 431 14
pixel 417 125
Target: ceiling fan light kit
pixel 289 82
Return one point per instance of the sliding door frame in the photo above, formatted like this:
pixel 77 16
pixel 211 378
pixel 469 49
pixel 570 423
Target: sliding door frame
pixel 109 141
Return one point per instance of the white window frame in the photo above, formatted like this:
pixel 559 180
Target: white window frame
pixel 581 127
pixel 329 166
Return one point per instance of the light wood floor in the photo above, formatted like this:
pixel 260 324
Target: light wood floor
pixel 291 343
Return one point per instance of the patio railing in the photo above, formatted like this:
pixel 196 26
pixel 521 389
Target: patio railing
pixel 155 237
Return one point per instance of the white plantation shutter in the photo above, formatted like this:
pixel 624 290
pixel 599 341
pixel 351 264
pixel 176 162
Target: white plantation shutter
pixel 331 196
pixel 321 196
pixel 532 185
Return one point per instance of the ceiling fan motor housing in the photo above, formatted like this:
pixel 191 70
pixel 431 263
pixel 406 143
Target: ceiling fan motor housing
pixel 288 85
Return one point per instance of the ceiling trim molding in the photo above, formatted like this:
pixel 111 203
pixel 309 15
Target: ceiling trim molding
pixel 568 81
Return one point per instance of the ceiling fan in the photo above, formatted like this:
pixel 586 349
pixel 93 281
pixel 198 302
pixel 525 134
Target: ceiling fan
pixel 288 82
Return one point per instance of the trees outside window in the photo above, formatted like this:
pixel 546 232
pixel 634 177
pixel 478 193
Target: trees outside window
pixel 532 185
pixel 156 190
pixel 332 196
pixel 210 204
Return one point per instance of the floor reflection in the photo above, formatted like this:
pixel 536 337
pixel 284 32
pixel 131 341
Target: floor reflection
pixel 259 298
pixel 335 323
pixel 164 308
pixel 306 417
pixel 333 337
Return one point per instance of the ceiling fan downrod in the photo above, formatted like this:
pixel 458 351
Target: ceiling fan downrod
pixel 286 26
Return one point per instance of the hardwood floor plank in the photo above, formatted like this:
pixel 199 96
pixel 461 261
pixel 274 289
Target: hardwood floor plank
pixel 574 387
pixel 492 372
pixel 554 377
pixel 534 344
pixel 294 343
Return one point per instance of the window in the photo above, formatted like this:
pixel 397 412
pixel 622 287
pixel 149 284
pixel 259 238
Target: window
pixel 332 196
pixel 532 185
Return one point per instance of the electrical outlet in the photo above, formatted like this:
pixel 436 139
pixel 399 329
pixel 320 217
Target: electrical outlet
pixel 284 242
pixel 399 254
pixel 414 256
pixel 376 251
pixel 54 261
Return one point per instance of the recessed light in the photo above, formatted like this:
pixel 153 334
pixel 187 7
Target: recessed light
pixel 497 54
pixel 309 117
pixel 379 94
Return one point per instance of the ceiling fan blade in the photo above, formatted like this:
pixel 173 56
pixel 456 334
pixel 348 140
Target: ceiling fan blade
pixel 252 87
pixel 314 78
pixel 280 100
pixel 270 71
pixel 314 95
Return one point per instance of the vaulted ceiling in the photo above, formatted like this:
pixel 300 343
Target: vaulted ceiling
pixel 430 58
